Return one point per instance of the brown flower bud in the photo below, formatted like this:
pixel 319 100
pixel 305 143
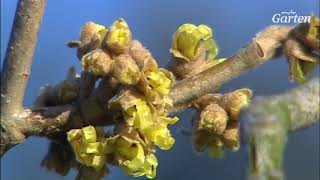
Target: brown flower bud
pixel 233 102
pixel 201 140
pixel 68 91
pixel 230 137
pixel 91 36
pixel 213 118
pixel 138 52
pixel 97 62
pixel 207 99
pixel 125 70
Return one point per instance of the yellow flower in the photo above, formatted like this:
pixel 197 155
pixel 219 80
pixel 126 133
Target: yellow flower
pixel 89 146
pixel 186 41
pixel 149 167
pixel 159 133
pixel 142 116
pixel 132 158
pixel 159 81
pixel 119 36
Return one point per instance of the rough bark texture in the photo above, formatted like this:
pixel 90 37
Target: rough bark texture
pixel 16 68
pixel 262 48
pixel 270 119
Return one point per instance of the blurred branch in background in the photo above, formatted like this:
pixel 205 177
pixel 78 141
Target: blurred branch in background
pixel 269 121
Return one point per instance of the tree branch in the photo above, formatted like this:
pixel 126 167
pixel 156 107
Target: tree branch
pixel 50 120
pixel 16 68
pixel 18 59
pixel 268 122
pixel 263 47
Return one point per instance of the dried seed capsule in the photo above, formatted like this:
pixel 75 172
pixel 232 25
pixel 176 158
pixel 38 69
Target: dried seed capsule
pixel 230 137
pixel 97 62
pixel 118 37
pixel 126 70
pixel 213 118
pixel 233 102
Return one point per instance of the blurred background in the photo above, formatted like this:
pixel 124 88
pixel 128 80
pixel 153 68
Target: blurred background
pixel 234 23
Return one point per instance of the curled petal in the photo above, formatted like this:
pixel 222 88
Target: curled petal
pixel 187 39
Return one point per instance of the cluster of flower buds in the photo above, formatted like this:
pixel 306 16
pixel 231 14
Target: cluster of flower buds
pixel 193 50
pixel 217 123
pixel 142 101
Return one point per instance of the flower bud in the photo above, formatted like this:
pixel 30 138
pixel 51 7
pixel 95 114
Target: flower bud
pixel 118 37
pixel 233 102
pixel 68 91
pixel 126 70
pixel 213 118
pixel 138 53
pixel 91 36
pixel 187 39
pixel 230 137
pixel 201 140
pixel 90 30
pixel 97 62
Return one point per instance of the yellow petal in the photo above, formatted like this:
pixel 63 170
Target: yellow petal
pixel 98 162
pixel 187 38
pixel 136 162
pixel 159 81
pixel 89 134
pixel 160 136
pixel 74 134
pixel 151 164
pixel 142 116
